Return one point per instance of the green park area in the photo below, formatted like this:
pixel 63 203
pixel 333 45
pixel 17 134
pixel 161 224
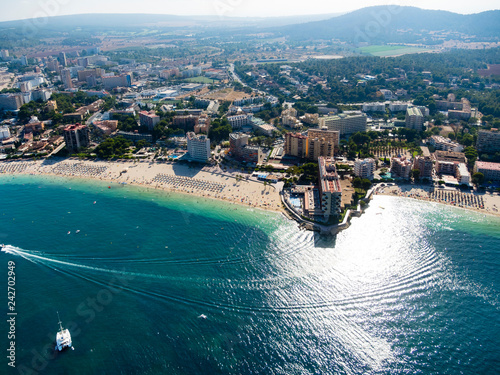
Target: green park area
pixel 384 50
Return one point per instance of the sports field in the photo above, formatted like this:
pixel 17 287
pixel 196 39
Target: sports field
pixel 200 79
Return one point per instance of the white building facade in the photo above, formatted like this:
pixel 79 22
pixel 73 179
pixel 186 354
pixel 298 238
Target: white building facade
pixel 198 146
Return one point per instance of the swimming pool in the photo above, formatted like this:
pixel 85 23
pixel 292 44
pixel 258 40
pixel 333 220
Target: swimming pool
pixel 296 202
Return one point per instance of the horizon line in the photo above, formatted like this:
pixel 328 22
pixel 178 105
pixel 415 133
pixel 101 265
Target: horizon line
pixel 245 17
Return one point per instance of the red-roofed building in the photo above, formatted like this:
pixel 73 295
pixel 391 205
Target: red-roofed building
pixel 491 171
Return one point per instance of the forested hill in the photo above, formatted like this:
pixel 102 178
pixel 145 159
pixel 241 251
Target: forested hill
pixel 397 24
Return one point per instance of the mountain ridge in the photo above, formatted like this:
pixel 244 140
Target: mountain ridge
pixel 382 24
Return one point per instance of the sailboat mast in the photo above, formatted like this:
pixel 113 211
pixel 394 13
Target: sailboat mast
pixel 60 323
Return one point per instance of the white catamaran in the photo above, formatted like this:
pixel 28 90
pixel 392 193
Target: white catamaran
pixel 63 337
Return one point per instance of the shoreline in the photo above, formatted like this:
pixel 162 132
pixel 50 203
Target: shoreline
pixel 205 182
pixel 423 193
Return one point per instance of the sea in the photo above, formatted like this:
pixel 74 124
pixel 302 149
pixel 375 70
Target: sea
pixel 150 282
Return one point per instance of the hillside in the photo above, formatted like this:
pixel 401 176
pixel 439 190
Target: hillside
pixel 386 24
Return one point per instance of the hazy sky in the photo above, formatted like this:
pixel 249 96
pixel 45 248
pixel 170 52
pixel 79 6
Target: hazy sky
pixel 21 9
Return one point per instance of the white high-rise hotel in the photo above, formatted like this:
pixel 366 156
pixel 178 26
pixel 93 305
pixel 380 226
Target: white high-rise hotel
pixel 198 147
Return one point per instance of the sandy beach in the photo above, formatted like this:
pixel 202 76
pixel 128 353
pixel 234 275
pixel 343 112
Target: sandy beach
pixel 209 182
pixel 487 203
pixel 216 183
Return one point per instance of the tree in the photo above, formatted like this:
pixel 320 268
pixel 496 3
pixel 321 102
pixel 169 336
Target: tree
pixel 360 138
pixel 366 183
pixel 357 182
pixel 471 155
pixel 220 130
pixel 477 178
pixel 112 147
pixel 415 173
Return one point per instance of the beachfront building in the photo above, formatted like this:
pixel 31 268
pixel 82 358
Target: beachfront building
pixel 241 150
pixel 425 165
pixel 198 147
pixel 401 167
pixel 76 137
pixel 414 119
pixel 488 140
pixel 329 188
pixel 344 124
pixel 462 174
pixel 447 161
pixel 491 171
pixel 364 168
pixel 149 119
pixel 445 144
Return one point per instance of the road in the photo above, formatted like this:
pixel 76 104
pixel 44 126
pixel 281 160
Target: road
pixel 93 117
pixel 235 77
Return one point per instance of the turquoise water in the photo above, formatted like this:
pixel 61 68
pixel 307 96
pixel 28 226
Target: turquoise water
pixel 172 284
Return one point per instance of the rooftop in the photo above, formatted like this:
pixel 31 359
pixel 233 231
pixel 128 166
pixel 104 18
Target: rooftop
pixel 74 127
pixel 488 165
pixel 414 111
pixel 328 176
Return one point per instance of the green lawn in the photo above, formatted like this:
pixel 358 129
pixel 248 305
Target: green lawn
pixel 200 80
pixel 383 50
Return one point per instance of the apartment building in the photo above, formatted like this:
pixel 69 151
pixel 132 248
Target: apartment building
pixel 373 107
pixel 445 144
pixel 296 145
pixel 488 141
pixel 414 119
pixel 238 121
pixel 66 78
pixel 447 161
pixel 111 82
pixel 425 165
pixel 241 150
pixel 76 137
pixel 149 119
pixel 345 125
pixel 364 168
pixel 401 167
pixel 491 171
